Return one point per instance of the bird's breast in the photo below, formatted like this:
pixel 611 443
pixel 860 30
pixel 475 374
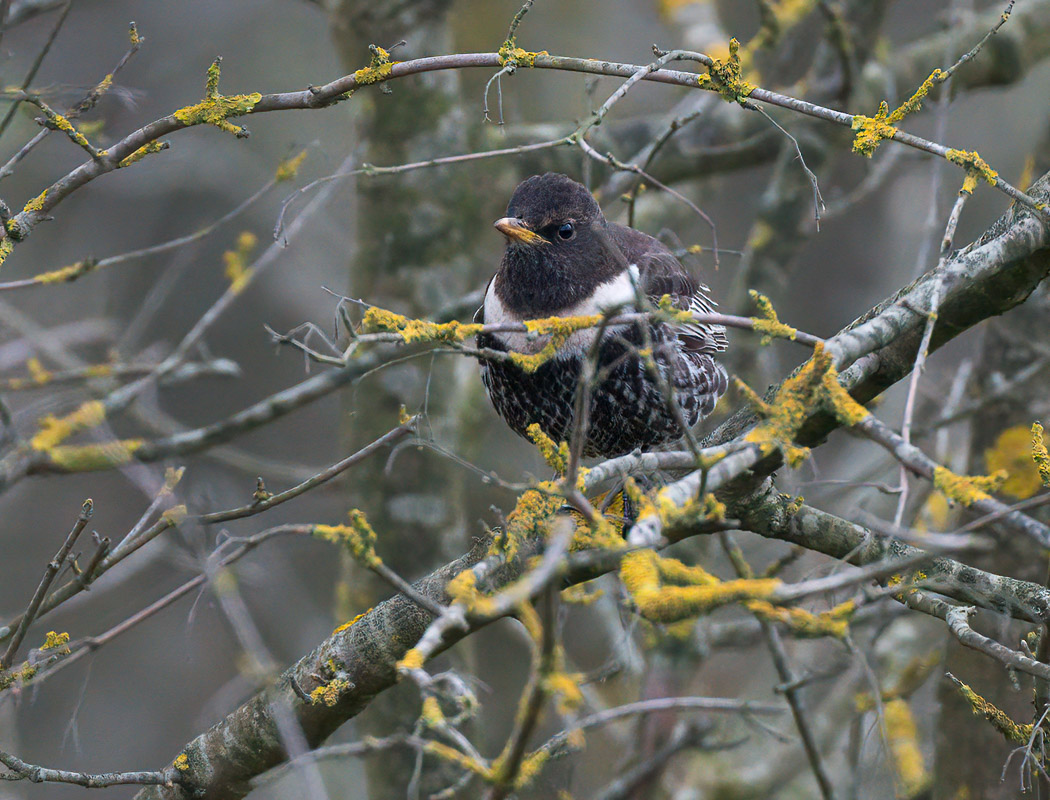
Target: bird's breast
pixel 617 293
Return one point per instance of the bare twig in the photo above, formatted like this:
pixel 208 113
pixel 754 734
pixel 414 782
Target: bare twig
pixel 788 679
pixel 53 568
pixel 36 64
pixel 20 770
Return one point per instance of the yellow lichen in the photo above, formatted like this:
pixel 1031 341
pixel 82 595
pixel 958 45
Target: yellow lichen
pixel 667 591
pixel 1013 732
pixel 66 274
pixel 36 204
pixel 903 739
pixel 967 489
pixel 216 109
pixel 378 320
pixel 37 373
pixel 175 514
pixel 531 517
pixel 512 55
pixel 556 454
pixel 794 504
pixel 454 756
pixel 347 625
pixel 671 514
pixel 91 457
pixel 562 326
pixel 559 329
pixel 55 430
pixel 181 762
pixel 413 660
pixel 769 323
pixel 463 589
pixel 59 122
pixel 103 86
pixel 328 693
pixel 813 387
pixel 378 68
pixel 289 168
pixel 530 363
pixel 833 622
pixel 530 767
pixel 724 76
pixel 840 402
pixel 975 166
pixel 606 533
pixel 431 715
pixel 1039 454
pixel 237 270
pixel 149 147
pixel 872 130
pixel 564 687
pixel 1011 454
pixel 358 537
pixel 7 246
pixel 55 641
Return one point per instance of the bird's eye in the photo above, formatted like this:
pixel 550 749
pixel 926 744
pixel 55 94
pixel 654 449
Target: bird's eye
pixel 566 231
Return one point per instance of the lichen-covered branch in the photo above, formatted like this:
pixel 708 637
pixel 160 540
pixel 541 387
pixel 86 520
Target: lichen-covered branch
pixel 218 109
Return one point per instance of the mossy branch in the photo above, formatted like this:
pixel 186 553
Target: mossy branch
pixel 666 590
pixel 1013 732
pixel 768 323
pixel 872 130
pixel 814 387
pixel 217 109
pixel 724 76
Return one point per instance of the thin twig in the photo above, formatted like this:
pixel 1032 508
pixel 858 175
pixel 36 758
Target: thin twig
pixel 24 771
pixel 36 64
pixel 52 570
pixel 787 677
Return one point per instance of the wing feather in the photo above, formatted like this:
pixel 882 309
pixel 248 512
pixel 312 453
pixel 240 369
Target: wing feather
pixel 661 273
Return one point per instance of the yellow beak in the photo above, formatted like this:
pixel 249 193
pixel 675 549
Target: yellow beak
pixel 514 229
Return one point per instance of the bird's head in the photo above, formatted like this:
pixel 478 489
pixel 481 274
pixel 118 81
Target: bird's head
pixel 558 249
pixel 550 210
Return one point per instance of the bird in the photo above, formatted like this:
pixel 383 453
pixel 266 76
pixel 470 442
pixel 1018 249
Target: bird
pixel 562 259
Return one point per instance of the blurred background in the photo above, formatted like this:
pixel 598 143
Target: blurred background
pixel 421 243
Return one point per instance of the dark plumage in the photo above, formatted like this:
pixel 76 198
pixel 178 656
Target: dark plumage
pixel 564 259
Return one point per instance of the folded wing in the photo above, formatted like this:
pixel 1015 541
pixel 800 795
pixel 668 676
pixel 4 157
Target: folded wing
pixel 660 273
